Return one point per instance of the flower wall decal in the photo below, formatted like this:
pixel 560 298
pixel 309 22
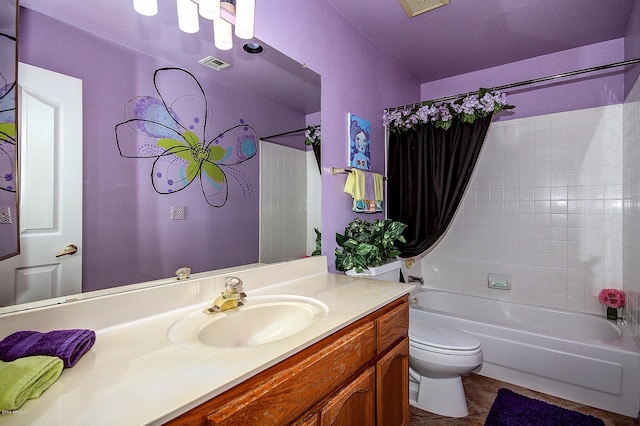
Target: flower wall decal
pixel 173 129
pixel 7 135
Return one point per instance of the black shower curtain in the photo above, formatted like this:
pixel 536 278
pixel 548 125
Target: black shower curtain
pixel 429 170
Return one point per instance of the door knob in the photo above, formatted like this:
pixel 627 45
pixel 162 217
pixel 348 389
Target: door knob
pixel 70 249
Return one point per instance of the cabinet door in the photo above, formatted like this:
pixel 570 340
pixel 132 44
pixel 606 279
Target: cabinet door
pixel 392 386
pixel 354 405
pixel 310 420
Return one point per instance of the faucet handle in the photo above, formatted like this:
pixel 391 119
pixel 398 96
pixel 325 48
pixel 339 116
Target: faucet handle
pixel 233 284
pixel 183 273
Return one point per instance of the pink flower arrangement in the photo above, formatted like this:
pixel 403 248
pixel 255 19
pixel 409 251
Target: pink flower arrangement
pixel 612 298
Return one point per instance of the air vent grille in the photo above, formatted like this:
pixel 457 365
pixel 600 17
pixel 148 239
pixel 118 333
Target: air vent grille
pixel 215 63
pixel 416 7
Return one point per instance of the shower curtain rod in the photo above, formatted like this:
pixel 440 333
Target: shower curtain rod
pixel 290 132
pixel 521 83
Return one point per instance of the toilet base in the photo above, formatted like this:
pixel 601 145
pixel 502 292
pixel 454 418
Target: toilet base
pixel 439 396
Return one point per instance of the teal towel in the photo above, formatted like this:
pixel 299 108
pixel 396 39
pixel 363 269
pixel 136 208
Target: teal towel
pixel 26 378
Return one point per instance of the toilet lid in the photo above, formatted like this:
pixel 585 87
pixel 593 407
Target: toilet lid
pixel 441 336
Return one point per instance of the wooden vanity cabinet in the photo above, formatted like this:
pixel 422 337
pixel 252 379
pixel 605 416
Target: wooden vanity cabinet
pixel 356 376
pixel 392 367
pixel 392 386
pixel 353 404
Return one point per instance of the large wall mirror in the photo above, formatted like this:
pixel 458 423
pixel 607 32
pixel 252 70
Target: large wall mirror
pixel 9 244
pixel 99 209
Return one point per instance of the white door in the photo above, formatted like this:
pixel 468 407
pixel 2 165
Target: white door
pixel 50 132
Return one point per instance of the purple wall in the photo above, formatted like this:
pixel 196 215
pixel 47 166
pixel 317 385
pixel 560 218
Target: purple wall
pixel 127 232
pixel 632 49
pixel 568 94
pixel 8 232
pixel 356 77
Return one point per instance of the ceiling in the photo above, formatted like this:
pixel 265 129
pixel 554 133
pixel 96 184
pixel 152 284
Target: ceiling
pixel 469 35
pixel 270 75
pixel 460 37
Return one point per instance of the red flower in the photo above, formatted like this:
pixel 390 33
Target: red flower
pixel 611 297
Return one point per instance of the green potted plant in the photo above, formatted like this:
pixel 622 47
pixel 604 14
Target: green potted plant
pixel 366 246
pixel 318 250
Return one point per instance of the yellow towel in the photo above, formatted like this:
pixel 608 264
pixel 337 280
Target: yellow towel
pixel 26 378
pixel 366 189
pixel 355 184
pixel 379 189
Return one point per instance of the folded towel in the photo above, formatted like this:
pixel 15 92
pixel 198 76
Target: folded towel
pixel 366 189
pixel 378 190
pixel 68 345
pixel 26 378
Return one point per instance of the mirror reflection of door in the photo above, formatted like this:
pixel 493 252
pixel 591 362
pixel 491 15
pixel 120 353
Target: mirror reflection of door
pixel 50 123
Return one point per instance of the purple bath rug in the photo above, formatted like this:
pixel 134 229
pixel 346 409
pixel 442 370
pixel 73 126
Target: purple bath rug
pixel 513 409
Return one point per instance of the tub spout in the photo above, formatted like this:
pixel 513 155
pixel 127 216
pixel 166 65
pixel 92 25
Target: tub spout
pixel 413 279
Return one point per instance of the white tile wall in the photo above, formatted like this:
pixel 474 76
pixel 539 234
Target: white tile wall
pixel 314 201
pixel 544 205
pixel 289 200
pixel 631 226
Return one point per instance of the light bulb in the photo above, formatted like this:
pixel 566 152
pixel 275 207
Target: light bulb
pixel 146 7
pixel 222 35
pixel 209 9
pixel 188 20
pixel 245 11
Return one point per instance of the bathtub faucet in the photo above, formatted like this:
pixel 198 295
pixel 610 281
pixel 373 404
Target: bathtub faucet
pixel 231 298
pixel 413 279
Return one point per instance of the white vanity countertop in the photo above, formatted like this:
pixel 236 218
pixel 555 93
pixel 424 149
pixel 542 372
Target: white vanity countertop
pixel 135 375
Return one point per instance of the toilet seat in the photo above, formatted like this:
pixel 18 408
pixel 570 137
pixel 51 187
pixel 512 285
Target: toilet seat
pixel 442 339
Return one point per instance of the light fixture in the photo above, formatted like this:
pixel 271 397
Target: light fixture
pixel 253 48
pixel 222 35
pixel 146 7
pixel 245 11
pixel 188 20
pixel 238 12
pixel 209 9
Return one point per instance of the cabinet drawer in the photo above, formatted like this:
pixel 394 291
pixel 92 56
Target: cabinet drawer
pixel 392 326
pixel 288 393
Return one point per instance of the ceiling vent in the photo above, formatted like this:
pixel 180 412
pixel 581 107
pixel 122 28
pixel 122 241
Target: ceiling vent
pixel 215 63
pixel 416 7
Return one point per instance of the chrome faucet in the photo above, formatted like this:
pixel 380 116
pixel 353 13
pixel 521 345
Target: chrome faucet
pixel 231 298
pixel 413 279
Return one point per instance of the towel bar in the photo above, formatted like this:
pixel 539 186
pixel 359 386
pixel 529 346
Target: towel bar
pixel 336 170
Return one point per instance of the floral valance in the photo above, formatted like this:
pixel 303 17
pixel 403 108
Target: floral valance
pixel 313 135
pixel 466 109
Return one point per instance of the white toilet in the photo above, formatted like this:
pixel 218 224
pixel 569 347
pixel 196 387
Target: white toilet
pixel 438 356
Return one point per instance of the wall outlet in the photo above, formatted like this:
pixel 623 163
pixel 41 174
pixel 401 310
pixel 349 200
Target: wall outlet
pixel 178 212
pixel 5 216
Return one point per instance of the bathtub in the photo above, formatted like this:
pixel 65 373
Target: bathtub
pixel 575 356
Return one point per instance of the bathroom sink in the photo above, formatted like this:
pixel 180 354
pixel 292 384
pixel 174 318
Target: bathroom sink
pixel 262 320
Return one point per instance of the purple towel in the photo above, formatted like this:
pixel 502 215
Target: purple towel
pixel 68 345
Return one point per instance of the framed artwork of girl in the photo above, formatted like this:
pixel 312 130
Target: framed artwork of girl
pixel 359 141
